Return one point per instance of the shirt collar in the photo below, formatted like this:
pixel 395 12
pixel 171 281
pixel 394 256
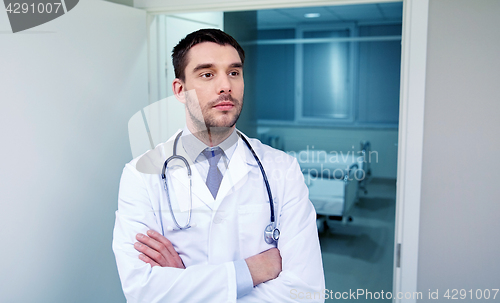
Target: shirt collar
pixel 194 146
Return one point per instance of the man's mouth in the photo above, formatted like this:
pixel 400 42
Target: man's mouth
pixel 224 105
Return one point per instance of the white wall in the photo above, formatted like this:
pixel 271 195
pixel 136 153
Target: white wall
pixel 68 88
pixel 459 221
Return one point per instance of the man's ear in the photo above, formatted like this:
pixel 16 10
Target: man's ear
pixel 178 89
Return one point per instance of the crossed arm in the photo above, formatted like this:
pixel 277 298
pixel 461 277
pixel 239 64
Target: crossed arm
pixel 156 250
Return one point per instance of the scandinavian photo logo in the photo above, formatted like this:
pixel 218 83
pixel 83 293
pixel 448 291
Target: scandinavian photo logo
pixel 26 14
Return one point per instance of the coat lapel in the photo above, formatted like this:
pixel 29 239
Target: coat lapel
pixel 238 170
pixel 198 186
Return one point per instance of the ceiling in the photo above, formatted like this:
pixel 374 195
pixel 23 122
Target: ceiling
pixel 377 12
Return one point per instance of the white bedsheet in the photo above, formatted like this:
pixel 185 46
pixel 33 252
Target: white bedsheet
pixel 327 196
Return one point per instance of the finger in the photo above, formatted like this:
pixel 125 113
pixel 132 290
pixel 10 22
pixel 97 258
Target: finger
pixel 148 260
pixel 154 244
pixel 160 238
pixel 162 245
pixel 151 253
pixel 174 260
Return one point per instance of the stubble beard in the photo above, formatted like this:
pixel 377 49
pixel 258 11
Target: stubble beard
pixel 203 122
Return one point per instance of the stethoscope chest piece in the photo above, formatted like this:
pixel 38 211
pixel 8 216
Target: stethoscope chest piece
pixel 271 234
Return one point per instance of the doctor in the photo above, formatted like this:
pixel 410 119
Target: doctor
pixel 222 256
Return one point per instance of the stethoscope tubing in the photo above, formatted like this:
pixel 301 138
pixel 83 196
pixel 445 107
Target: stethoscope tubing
pixel 188 167
pixel 264 176
pixel 164 177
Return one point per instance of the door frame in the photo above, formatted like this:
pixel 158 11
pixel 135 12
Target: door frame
pixel 411 117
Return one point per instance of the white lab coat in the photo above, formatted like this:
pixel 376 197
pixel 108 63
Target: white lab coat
pixel 229 228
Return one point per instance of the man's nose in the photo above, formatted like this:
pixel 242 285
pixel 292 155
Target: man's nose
pixel 224 85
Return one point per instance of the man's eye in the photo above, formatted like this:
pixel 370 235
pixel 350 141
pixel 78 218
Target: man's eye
pixel 234 73
pixel 206 75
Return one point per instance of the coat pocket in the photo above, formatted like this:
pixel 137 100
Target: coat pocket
pixel 252 221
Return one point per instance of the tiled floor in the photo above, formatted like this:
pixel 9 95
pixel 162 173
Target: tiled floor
pixel 359 254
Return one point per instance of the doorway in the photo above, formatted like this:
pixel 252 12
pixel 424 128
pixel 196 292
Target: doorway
pixel 325 79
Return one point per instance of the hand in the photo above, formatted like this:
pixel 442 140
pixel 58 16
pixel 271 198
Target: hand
pixel 157 250
pixel 264 266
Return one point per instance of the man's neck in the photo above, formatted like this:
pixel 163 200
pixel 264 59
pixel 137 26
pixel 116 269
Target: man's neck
pixel 211 136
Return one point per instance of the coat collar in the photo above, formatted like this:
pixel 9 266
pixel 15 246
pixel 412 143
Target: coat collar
pixel 239 166
pixel 193 146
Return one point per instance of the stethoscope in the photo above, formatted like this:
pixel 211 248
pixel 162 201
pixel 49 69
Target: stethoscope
pixel 271 232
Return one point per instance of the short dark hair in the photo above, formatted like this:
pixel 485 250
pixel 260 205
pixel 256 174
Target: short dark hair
pixel 180 51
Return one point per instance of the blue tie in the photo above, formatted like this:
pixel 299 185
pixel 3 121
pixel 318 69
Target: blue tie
pixel 214 176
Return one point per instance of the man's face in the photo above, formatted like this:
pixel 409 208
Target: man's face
pixel 215 72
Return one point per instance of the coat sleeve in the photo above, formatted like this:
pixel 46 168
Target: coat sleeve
pixel 143 283
pixel 302 277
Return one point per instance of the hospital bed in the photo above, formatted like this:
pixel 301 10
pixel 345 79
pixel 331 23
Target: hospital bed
pixel 334 181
